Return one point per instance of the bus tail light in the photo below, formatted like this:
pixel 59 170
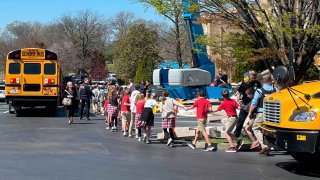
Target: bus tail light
pixel 14 80
pixel 49 81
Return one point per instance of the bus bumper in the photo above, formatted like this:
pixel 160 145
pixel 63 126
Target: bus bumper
pixel 29 101
pixel 292 140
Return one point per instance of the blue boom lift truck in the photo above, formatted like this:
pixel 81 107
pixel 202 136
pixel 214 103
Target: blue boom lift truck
pixel 185 83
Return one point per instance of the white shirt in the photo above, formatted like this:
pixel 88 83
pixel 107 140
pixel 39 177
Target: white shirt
pixel 133 100
pixel 150 103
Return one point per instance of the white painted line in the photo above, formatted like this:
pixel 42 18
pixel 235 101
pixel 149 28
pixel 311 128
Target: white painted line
pixel 5 112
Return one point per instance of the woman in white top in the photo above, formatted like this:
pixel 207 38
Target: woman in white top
pixel 168 116
pixel 147 117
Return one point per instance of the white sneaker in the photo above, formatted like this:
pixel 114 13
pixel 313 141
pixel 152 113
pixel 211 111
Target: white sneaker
pixel 130 136
pixel 139 139
pixel 102 114
pixel 144 138
pixel 209 148
pixel 169 141
pixel 147 141
pixel 107 127
pixel 124 133
pixel 137 136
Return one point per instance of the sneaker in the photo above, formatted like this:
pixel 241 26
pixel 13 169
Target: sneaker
pixel 148 141
pixel 209 148
pixel 130 136
pixel 102 114
pixel 137 136
pixel 139 139
pixel 107 127
pixel 144 138
pixel 239 144
pixel 169 141
pixel 265 151
pixel 192 146
pixel 255 145
pixel 231 150
pixel 124 133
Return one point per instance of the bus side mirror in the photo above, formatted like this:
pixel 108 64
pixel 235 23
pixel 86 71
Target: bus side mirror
pixel 281 74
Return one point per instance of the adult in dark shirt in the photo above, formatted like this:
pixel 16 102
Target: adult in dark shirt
pixel 85 96
pixel 70 92
pixel 243 100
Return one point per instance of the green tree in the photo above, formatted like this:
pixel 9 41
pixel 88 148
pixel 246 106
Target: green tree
pixel 274 27
pixel 144 71
pixel 138 47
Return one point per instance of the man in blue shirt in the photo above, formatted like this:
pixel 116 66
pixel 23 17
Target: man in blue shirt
pixel 257 106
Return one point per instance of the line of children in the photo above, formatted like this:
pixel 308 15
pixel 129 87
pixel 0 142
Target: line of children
pixel 144 117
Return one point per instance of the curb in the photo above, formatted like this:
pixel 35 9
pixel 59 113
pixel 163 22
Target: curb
pixel 222 146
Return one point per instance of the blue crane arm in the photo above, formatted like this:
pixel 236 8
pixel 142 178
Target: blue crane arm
pixel 195 29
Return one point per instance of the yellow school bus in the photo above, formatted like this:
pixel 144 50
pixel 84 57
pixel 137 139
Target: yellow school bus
pixel 292 121
pixel 32 79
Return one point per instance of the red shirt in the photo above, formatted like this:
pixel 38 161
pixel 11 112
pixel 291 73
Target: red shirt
pixel 229 106
pixel 106 104
pixel 202 105
pixel 125 108
pixel 139 106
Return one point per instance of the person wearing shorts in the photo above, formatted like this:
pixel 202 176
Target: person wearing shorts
pixel 125 112
pixel 230 106
pixel 202 105
pixel 249 122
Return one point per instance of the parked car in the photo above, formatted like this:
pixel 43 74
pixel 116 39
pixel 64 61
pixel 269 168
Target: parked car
pixel 2 93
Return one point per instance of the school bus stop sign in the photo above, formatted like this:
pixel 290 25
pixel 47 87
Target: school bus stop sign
pixel 32 54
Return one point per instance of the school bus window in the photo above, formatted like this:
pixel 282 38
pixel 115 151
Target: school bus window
pixel 32 68
pixel 50 68
pixel 14 68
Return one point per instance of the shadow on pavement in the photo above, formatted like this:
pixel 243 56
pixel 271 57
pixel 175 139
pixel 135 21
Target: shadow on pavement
pixel 42 112
pixel 301 168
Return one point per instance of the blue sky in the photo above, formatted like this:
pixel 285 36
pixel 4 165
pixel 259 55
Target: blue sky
pixel 46 11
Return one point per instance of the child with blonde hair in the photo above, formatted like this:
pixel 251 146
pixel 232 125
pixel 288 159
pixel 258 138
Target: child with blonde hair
pixel 139 107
